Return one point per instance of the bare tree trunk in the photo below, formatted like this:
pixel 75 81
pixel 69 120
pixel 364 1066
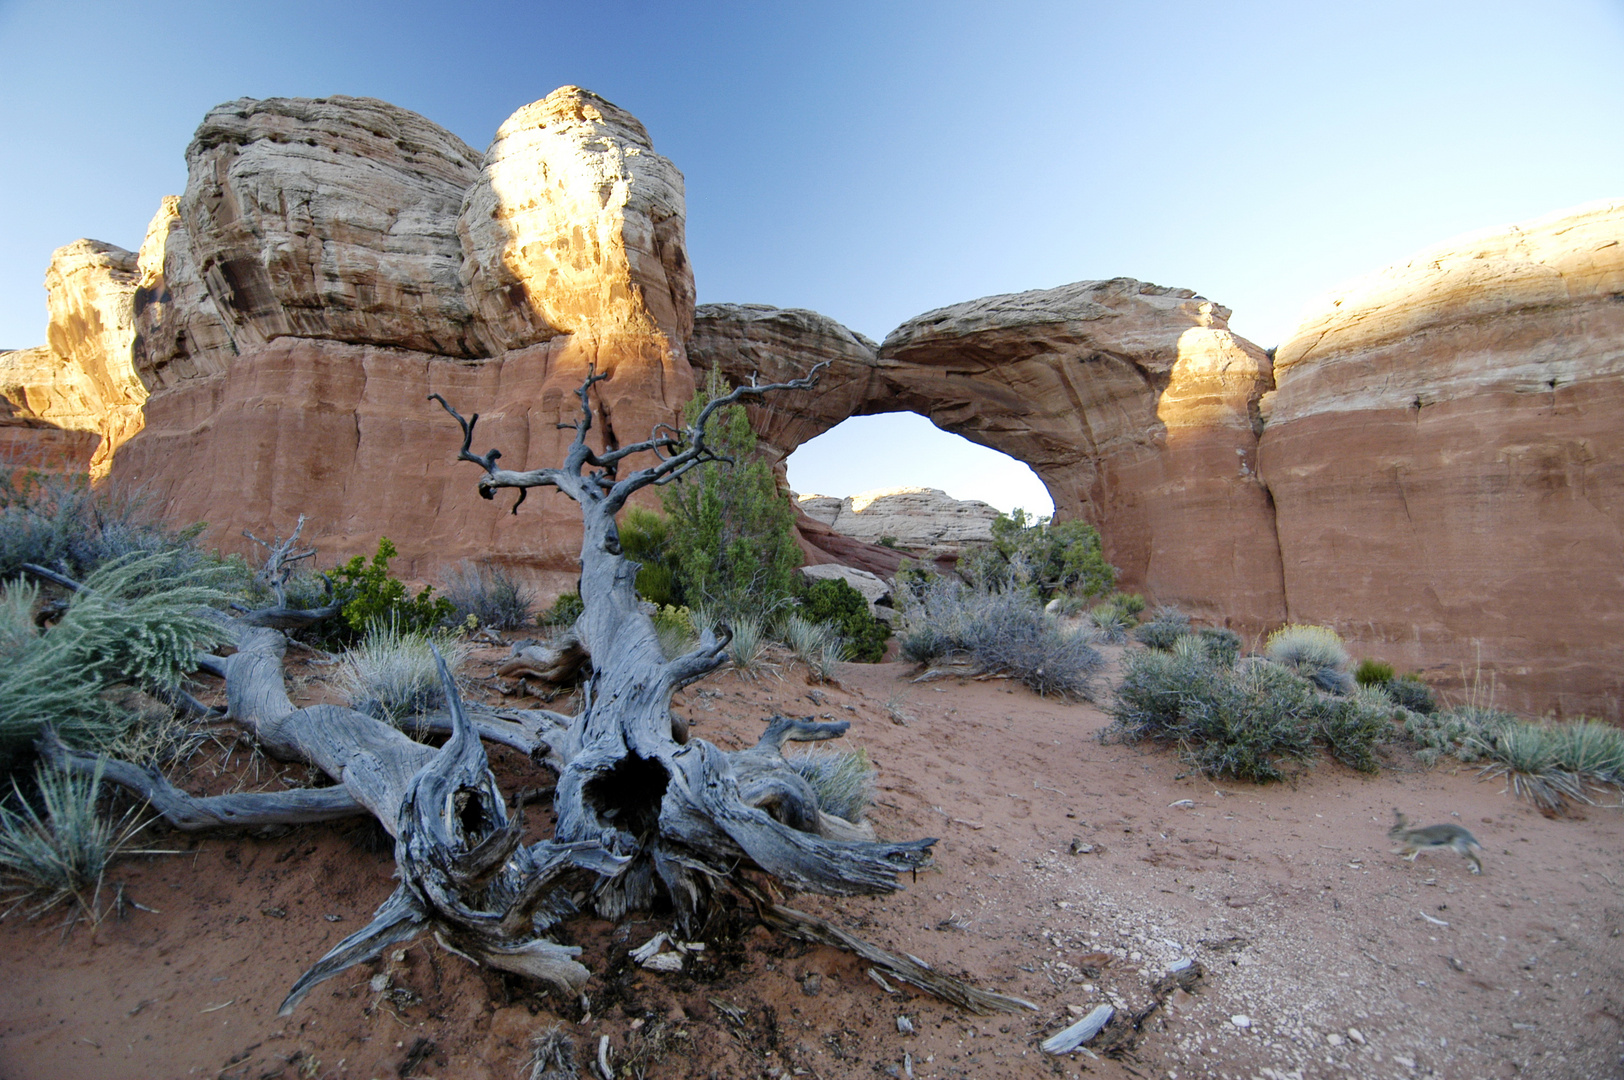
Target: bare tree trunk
pixel 643 811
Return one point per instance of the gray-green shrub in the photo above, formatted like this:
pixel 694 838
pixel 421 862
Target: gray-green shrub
pixel 1256 721
pixel 1004 631
pixel 1314 652
pixel 491 594
pixel 1166 626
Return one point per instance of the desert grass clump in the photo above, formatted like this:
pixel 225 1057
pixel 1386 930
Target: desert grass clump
pixel 817 644
pixel 60 849
pixel 1111 621
pixel 749 642
pixel 1591 750
pixel 999 631
pixel 392 675
pixel 1527 756
pixel 843 779
pixel 1373 672
pixel 552 1055
pixel 490 594
pixel 1164 627
pixel 1314 652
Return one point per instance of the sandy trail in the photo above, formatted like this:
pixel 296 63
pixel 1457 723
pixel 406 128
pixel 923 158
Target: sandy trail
pixel 1069 873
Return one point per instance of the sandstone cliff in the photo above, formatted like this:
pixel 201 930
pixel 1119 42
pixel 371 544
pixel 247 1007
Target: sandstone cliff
pixel 334 261
pixel 1447 463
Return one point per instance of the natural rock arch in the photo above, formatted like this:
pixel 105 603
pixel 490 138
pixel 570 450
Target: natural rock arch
pixel 1133 403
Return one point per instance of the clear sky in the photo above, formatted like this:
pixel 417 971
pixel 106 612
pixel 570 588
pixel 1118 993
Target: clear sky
pixel 875 160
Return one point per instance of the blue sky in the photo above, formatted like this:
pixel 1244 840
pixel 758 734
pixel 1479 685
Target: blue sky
pixel 874 160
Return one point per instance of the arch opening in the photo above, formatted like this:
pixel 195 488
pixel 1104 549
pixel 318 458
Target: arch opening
pixel 904 449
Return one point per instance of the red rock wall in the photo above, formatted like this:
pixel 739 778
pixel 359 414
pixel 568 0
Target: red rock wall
pixel 1446 456
pixel 344 434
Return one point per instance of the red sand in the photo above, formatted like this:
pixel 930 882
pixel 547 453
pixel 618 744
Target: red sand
pixel 1288 896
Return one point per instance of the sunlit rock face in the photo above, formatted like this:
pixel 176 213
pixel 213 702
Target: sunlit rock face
pixel 331 218
pixel 1133 403
pixel 74 401
pixel 1446 454
pixel 50 414
pixel 925 521
pixel 576 225
pixel 300 302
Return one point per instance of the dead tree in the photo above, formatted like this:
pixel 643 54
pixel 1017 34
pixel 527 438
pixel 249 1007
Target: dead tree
pixel 643 810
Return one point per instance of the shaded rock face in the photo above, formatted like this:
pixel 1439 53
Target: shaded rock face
pixel 1446 454
pixel 926 521
pixel 179 331
pixel 331 218
pixel 1133 403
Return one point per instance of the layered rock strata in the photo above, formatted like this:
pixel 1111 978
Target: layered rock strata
pixel 926 521
pixel 74 401
pixel 1446 456
pixel 1133 403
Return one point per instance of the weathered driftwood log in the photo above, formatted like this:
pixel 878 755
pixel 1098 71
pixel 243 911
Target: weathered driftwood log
pixel 643 811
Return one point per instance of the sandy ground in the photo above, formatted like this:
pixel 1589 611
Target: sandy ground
pixel 1068 872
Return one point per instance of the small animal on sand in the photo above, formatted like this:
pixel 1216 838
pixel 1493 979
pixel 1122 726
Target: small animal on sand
pixel 1413 842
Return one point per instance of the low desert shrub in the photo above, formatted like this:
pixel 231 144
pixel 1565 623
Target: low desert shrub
pixel 678 629
pixel 490 594
pixel 843 780
pixel 391 674
pixel 65 525
pixel 1221 643
pixel 59 849
pixel 835 602
pixel 1354 725
pixel 1164 627
pixel 1314 652
pixel 1411 693
pixel 1256 721
pixel 1372 672
pixel 563 611
pixel 372 597
pixel 1004 632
